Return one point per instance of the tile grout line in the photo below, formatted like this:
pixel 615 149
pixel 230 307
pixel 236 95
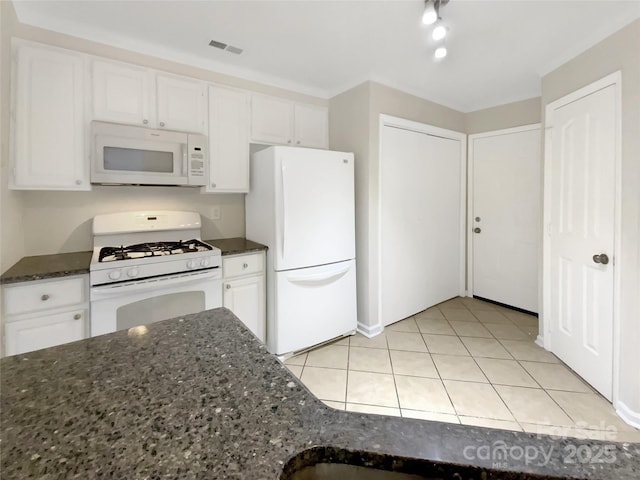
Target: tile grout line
pixel 346 383
pixel 393 375
pixel 493 386
pixel 440 376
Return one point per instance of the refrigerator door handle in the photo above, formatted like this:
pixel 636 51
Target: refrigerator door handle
pixel 283 210
pixel 317 278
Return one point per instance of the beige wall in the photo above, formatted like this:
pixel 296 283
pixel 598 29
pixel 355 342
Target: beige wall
pixel 365 103
pixel 349 131
pixel 516 114
pixel 617 52
pixel 65 216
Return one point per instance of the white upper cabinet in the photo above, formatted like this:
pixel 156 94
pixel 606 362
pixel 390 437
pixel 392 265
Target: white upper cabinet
pixel 311 126
pixel 283 122
pixel 271 120
pixel 181 104
pixel 48 122
pixel 121 93
pixel 124 93
pixel 228 140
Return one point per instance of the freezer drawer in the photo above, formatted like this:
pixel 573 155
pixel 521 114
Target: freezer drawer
pixel 313 305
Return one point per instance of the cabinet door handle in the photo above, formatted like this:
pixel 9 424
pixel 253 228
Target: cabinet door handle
pixel 245 265
pixel 44 297
pixel 145 121
pixel 298 142
pixel 227 286
pixel 77 316
pixel 162 124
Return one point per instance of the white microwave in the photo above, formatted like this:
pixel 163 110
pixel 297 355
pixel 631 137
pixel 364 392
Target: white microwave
pixel 124 154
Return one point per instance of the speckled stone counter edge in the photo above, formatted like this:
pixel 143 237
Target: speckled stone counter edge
pixel 41 267
pixel 200 397
pixel 236 245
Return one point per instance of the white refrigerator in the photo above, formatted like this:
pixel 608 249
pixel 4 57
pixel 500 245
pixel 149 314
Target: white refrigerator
pixel 301 205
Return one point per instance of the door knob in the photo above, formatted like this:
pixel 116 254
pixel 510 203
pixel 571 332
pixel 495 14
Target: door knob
pixel 602 258
pixel 477 230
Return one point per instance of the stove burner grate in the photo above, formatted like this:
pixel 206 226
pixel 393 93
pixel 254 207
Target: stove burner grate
pixel 151 249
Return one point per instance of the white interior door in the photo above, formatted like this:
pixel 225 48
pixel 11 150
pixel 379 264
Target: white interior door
pixel 420 221
pixel 315 208
pixel 505 216
pixel 581 205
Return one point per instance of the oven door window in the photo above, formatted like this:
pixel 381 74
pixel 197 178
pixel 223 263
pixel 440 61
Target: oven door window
pixel 159 308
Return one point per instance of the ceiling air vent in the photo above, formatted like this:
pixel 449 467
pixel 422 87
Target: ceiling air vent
pixel 224 46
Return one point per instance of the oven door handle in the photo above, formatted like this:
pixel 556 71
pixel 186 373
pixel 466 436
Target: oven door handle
pixel 109 291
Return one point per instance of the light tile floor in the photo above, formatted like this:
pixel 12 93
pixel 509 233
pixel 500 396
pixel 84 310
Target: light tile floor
pixel 463 361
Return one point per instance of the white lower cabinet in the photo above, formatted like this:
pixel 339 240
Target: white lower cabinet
pixel 45 313
pixel 244 290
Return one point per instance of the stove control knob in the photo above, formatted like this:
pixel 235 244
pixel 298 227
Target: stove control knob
pixel 204 262
pixel 191 264
pixel 133 272
pixel 115 275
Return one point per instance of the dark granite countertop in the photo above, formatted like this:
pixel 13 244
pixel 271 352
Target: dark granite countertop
pixel 200 397
pixel 66 264
pixel 234 246
pixel 47 266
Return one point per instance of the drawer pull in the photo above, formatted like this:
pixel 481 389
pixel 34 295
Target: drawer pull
pixel 77 316
pixel 44 297
pixel 245 265
pixel 228 286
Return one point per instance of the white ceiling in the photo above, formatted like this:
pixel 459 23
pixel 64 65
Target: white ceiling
pixel 498 50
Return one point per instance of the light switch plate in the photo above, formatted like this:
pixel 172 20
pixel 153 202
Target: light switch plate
pixel 215 212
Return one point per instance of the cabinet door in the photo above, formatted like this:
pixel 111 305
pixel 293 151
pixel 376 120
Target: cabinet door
pixel 228 140
pixel 245 297
pixel 311 126
pixel 48 120
pixel 271 120
pixel 43 332
pixel 122 93
pixel 181 104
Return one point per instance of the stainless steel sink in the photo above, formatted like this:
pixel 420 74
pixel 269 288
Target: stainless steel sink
pixel 329 463
pixel 334 471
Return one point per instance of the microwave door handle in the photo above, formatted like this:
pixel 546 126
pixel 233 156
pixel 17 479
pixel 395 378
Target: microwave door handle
pixel 185 170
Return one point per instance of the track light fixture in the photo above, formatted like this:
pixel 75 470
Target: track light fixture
pixel 430 16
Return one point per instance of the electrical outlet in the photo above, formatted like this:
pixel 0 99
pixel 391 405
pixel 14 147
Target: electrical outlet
pixel 215 212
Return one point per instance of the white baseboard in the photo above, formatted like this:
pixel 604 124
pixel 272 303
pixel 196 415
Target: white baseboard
pixel 628 415
pixel 539 341
pixel 369 331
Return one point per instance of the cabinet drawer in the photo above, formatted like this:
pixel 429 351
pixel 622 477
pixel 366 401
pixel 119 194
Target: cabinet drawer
pixel 242 265
pixel 40 295
pixel 47 331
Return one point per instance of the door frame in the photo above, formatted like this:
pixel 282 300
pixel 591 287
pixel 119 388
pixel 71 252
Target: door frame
pixel 545 337
pixel 391 121
pixel 470 170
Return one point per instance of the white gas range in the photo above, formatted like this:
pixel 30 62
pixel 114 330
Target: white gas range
pixel 150 266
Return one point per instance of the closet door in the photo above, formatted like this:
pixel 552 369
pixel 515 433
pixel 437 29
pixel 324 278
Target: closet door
pixel 421 213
